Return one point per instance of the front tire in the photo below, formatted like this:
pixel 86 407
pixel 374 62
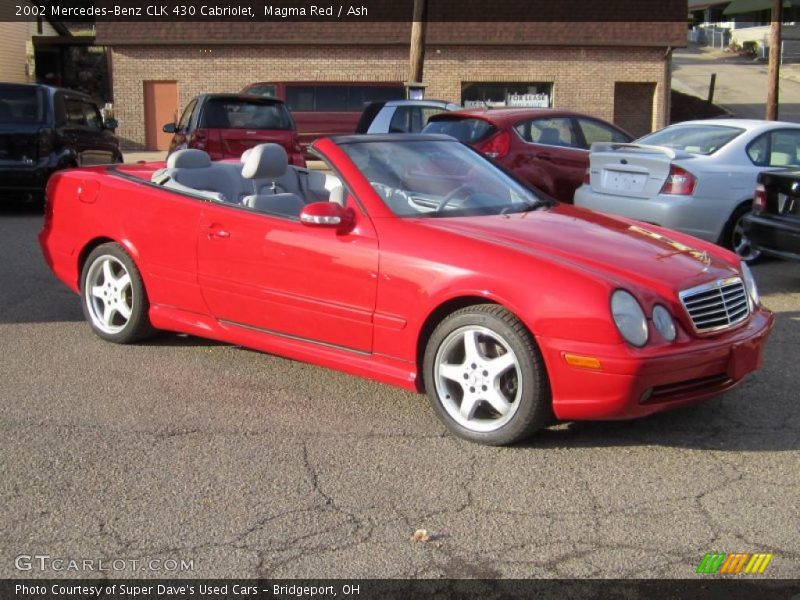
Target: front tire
pixel 113 296
pixel 485 376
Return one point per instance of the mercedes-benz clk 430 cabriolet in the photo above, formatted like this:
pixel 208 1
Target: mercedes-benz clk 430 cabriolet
pixel 415 261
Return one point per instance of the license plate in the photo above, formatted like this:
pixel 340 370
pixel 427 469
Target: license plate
pixel 745 358
pixel 788 205
pixel 624 182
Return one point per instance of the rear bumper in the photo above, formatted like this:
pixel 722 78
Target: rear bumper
pixel 696 215
pixel 774 235
pixel 297 159
pixel 634 383
pixel 19 177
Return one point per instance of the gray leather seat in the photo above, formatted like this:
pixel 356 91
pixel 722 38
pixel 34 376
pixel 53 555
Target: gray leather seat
pixel 269 162
pixel 191 171
pixel 308 184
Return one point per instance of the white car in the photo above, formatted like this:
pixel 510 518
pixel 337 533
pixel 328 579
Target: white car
pixel 698 177
pixel 401 116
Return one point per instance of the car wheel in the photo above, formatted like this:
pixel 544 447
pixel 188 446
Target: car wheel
pixel 736 240
pixel 114 299
pixel 485 376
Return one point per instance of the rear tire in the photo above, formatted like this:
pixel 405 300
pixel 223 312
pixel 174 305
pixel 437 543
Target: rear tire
pixel 113 297
pixel 485 376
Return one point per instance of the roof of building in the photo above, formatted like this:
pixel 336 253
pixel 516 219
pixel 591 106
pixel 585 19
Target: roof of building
pixel 476 33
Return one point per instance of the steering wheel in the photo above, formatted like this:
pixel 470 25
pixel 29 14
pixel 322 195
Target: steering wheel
pixel 452 196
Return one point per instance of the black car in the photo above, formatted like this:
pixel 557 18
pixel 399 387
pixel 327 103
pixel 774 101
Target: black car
pixel 44 129
pixel 773 226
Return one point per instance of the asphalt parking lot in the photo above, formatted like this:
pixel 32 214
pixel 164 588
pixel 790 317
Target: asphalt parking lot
pixel 249 465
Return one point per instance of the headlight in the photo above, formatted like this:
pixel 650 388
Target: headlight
pixel 750 285
pixel 664 323
pixel 629 317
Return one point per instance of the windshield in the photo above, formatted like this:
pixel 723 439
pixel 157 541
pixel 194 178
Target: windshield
pixel 696 139
pixel 21 105
pixel 425 178
pixel 245 114
pixel 468 131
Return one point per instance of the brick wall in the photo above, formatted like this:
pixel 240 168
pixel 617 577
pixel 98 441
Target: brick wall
pixel 583 78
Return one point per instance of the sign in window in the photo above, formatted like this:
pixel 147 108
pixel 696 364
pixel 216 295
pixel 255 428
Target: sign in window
pixel 520 95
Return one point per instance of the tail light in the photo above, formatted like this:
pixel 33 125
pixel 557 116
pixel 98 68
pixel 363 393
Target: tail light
pixel 198 139
pixel 587 176
pixel 760 199
pixel 679 182
pixel 44 144
pixel 497 146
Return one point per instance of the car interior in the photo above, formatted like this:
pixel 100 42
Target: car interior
pixel 262 180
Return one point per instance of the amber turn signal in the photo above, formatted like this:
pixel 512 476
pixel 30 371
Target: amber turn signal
pixel 582 362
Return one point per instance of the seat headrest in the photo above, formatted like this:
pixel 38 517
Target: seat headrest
pixel 550 135
pixel 265 161
pixel 337 195
pixel 189 159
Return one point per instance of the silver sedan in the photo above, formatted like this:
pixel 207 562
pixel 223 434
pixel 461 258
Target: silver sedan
pixel 697 177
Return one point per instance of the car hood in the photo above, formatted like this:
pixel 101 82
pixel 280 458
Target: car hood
pixel 621 250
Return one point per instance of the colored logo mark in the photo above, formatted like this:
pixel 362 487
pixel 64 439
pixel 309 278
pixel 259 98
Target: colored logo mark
pixel 732 564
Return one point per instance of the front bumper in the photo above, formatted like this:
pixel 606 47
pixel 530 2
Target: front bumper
pixel 774 235
pixel 696 215
pixel 634 382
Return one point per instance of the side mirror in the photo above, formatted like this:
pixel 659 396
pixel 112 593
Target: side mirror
pixel 111 124
pixel 169 128
pixel 328 214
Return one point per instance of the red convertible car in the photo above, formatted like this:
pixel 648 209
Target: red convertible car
pixel 417 262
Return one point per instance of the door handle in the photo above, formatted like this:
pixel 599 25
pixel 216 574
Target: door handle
pixel 545 156
pixel 216 231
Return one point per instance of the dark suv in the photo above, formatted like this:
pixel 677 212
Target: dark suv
pixel 44 129
pixel 225 125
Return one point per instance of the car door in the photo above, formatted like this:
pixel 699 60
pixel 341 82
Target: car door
pixel 98 145
pixel 552 155
pixel 274 274
pixel 74 121
pixel 181 129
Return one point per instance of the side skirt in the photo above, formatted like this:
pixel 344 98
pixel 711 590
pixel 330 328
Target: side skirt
pixel 372 366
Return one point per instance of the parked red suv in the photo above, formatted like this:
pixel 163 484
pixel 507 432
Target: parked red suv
pixel 225 125
pixel 547 148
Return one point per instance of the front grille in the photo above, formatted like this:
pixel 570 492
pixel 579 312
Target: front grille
pixel 717 305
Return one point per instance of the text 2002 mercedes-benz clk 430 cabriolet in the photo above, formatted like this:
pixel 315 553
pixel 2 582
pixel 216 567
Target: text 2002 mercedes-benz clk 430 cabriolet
pixel 416 262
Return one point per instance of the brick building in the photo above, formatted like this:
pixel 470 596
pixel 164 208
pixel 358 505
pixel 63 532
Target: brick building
pixel 618 71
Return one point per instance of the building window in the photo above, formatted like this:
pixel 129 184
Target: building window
pixel 529 95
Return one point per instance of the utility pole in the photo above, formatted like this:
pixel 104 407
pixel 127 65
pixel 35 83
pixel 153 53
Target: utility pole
pixel 417 55
pixel 774 61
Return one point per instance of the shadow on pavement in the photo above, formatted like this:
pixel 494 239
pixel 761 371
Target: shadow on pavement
pixel 776 276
